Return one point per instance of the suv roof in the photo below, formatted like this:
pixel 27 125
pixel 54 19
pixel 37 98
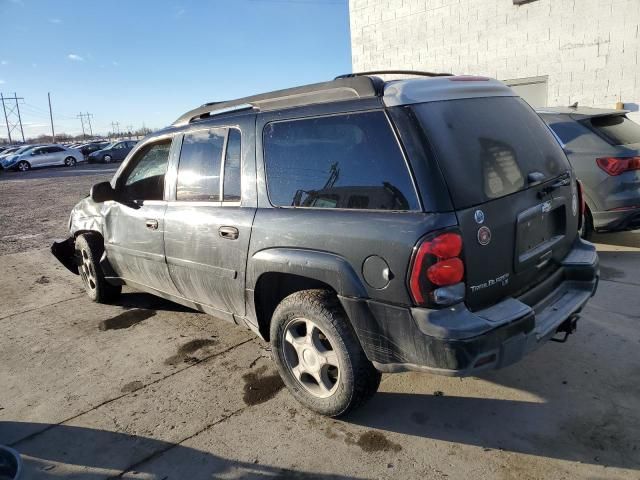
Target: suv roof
pixel 580 113
pixel 438 86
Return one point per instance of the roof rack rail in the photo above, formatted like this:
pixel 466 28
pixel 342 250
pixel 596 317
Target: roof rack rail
pixel 389 72
pixel 340 89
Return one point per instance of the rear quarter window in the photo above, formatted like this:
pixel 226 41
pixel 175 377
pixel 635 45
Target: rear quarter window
pixel 349 161
pixel 487 147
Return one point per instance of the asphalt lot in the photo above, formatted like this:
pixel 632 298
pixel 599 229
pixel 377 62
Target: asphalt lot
pixel 146 389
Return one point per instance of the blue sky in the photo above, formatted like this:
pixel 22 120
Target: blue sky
pixel 143 61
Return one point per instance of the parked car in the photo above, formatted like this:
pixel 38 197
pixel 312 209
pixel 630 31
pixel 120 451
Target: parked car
pixel 42 156
pixel 603 147
pixel 89 148
pixel 114 152
pixel 9 151
pixel 360 226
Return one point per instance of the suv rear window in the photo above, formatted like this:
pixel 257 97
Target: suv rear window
pixel 349 161
pixel 617 129
pixel 487 147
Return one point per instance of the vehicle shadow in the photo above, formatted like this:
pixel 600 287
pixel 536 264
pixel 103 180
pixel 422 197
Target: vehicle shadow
pixel 72 452
pixel 141 300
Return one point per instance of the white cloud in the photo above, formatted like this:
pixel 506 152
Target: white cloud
pixel 75 58
pixel 55 20
pixel 2 82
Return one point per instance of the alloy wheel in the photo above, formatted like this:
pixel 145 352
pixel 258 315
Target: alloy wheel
pixel 310 357
pixel 87 270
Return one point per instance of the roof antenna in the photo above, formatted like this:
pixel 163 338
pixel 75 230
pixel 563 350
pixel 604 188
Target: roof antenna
pixel 575 105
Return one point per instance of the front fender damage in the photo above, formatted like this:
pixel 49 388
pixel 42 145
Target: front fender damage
pixel 65 252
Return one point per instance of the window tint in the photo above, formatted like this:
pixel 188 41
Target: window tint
pixel 199 167
pixel 342 161
pixel 232 174
pixel 119 146
pixel 487 147
pixel 618 129
pixel 55 149
pixel 145 181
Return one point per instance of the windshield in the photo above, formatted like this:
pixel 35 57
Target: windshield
pixel 487 147
pixel 617 129
pixel 24 149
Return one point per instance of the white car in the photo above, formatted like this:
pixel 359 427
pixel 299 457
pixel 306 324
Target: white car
pixel 42 156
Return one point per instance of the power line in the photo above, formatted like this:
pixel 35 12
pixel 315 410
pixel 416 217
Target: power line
pixel 14 112
pixel 116 129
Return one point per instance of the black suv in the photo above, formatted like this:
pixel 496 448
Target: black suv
pixel 359 225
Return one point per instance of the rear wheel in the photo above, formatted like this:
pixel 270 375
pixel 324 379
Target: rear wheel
pixel 89 250
pixel 70 162
pixel 107 159
pixel 318 354
pixel 23 166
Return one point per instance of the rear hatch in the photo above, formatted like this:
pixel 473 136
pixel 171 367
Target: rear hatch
pixel 512 188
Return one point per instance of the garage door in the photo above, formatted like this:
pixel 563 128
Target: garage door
pixel 533 90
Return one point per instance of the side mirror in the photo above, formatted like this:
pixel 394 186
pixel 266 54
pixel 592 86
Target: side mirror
pixel 101 192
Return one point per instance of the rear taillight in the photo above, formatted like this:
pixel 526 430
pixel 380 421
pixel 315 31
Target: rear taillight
pixel 617 165
pixel 437 271
pixel 581 204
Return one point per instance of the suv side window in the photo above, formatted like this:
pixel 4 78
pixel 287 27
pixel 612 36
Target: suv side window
pixel 145 179
pixel 232 174
pixel 349 161
pixel 199 167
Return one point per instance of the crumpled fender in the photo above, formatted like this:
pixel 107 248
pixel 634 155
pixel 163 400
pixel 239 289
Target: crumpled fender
pixel 87 215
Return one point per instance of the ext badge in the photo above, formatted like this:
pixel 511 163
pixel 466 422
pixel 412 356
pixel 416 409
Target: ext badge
pixel 484 235
pixel 479 216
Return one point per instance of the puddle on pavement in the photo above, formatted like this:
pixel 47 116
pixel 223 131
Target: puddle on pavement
pixel 372 441
pixel 258 387
pixel 184 352
pixel 126 319
pixel 610 273
pixel 132 386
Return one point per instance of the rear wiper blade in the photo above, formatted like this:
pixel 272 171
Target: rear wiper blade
pixel 563 180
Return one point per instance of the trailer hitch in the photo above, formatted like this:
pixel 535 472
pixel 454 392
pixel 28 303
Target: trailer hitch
pixel 567 327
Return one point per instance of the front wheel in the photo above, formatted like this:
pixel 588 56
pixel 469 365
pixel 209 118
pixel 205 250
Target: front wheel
pixel 107 159
pixel 70 162
pixel 318 354
pixel 89 249
pixel 23 166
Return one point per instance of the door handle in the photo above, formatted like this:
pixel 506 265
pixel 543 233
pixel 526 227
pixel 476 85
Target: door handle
pixel 230 233
pixel 151 224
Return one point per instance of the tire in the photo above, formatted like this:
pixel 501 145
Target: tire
pixel 70 162
pixel 107 159
pixel 23 166
pixel 89 249
pixel 587 230
pixel 345 386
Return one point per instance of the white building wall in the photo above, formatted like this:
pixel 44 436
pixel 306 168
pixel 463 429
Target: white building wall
pixel 589 50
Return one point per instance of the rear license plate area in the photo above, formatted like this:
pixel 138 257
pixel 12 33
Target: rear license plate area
pixel 538 229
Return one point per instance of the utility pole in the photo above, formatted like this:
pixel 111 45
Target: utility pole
pixel 14 110
pixel 89 115
pixel 129 130
pixel 53 132
pixel 116 128
pixel 6 120
pixel 85 118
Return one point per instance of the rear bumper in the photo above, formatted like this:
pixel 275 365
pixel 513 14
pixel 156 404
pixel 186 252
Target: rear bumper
pixel 617 220
pixel 459 342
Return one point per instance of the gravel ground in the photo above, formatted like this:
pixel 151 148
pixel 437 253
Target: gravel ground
pixel 35 205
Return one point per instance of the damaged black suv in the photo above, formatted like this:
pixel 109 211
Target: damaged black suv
pixel 359 225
